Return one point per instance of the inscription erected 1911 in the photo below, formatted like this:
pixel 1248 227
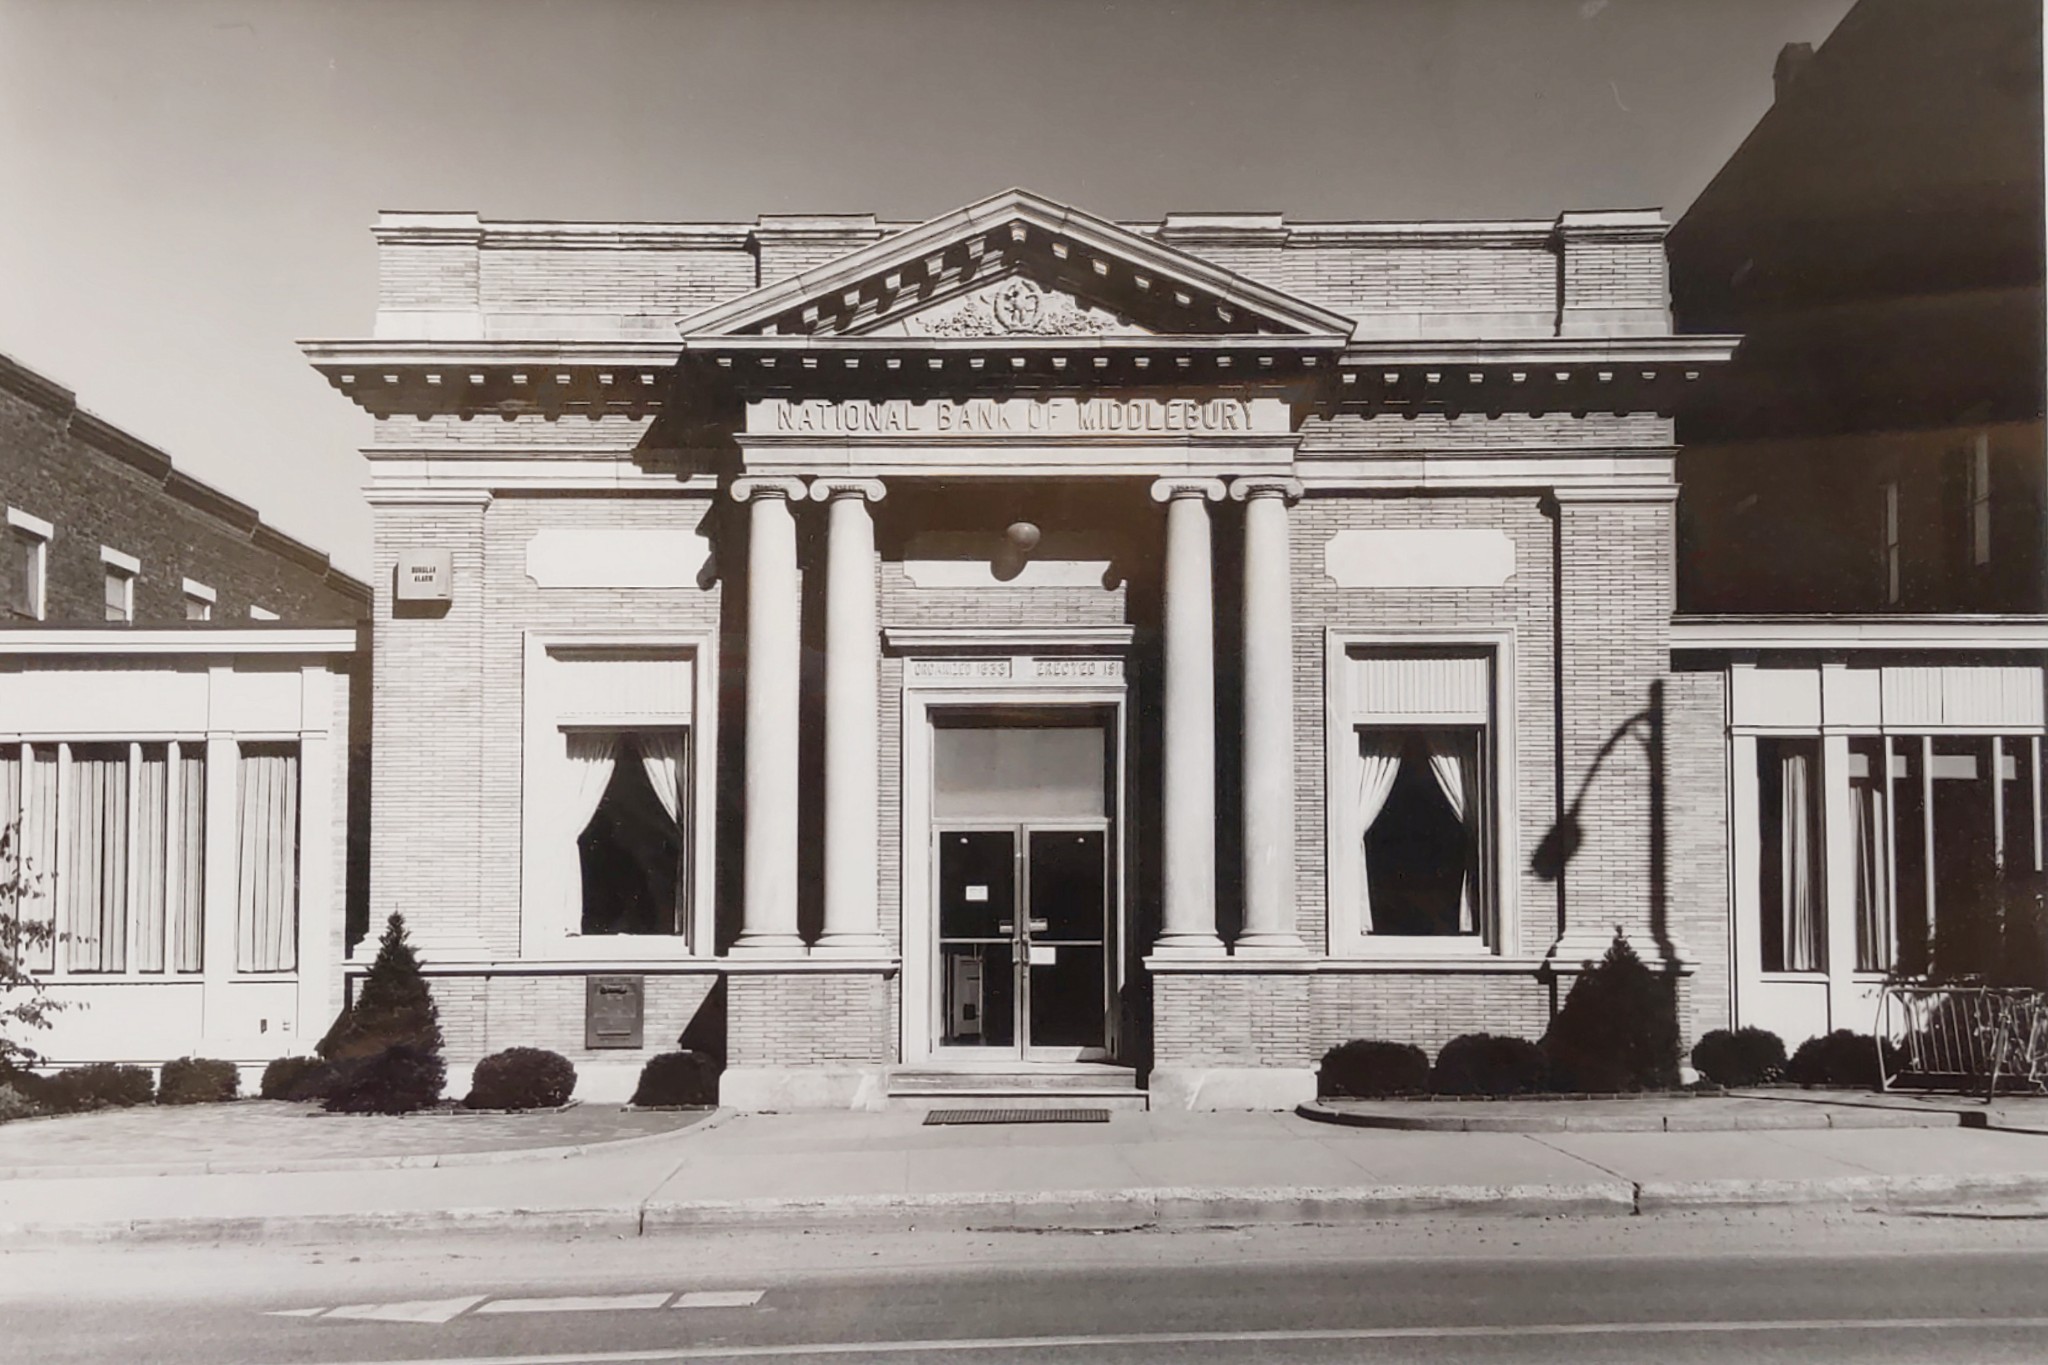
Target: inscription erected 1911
pixel 1022 669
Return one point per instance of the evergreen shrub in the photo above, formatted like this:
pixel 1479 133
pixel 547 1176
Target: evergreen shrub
pixel 1747 1056
pixel 198 1080
pixel 1618 1029
pixel 1370 1068
pixel 521 1078
pixel 398 1080
pixel 297 1078
pixel 685 1079
pixel 1490 1064
pixel 386 1047
pixel 1844 1057
pixel 101 1085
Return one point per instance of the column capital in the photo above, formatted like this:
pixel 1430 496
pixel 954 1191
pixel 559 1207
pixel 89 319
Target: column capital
pixel 748 489
pixel 1266 486
pixel 1169 489
pixel 867 490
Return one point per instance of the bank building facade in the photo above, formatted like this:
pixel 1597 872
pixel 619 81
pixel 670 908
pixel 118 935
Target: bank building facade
pixel 1025 651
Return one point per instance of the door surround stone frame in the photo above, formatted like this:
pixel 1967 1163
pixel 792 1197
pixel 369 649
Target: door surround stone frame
pixel 950 668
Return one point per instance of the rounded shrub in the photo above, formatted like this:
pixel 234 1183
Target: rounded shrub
pixel 1747 1056
pixel 1844 1057
pixel 1490 1064
pixel 398 1080
pixel 296 1078
pixel 521 1078
pixel 198 1080
pixel 101 1085
pixel 1369 1068
pixel 687 1079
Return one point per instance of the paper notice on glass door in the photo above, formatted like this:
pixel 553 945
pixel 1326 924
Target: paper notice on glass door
pixel 977 893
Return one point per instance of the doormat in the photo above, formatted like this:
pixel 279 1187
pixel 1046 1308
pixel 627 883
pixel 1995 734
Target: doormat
pixel 1016 1116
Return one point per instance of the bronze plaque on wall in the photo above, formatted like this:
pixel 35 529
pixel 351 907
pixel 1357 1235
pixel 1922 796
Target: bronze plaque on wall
pixel 614 1011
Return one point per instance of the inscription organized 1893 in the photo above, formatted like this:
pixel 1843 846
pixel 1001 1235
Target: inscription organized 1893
pixel 960 668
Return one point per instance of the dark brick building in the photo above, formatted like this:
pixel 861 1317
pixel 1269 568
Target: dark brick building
pixel 89 504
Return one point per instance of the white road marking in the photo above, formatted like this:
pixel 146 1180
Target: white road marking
pixel 295 1313
pixel 1564 1329
pixel 416 1310
pixel 719 1298
pixel 576 1303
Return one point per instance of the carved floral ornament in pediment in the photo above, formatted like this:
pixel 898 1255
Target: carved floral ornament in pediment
pixel 1018 307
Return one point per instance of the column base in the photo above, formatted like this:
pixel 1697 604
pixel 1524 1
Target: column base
pixel 1214 1088
pixel 1269 945
pixel 768 945
pixel 851 945
pixel 1187 945
pixel 779 1089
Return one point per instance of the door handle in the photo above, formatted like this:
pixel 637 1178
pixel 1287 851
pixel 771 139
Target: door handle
pixel 1038 926
pixel 1006 927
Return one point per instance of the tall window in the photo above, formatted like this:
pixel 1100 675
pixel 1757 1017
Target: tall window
pixel 1414 803
pixel 28 550
pixel 120 838
pixel 1421 807
pixel 267 862
pixel 1794 902
pixel 630 790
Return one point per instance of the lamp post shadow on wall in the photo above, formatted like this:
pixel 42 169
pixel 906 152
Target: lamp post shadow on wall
pixel 1562 842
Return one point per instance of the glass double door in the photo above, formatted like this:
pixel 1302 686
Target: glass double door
pixel 1023 941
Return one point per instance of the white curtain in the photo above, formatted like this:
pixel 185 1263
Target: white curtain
pixel 267 836
pixel 152 830
pixel 1801 918
pixel 1454 766
pixel 39 850
pixel 188 897
pixel 1379 762
pixel 591 757
pixel 1873 930
pixel 92 882
pixel 664 757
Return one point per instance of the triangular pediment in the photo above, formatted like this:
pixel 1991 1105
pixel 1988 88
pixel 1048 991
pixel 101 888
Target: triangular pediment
pixel 1016 266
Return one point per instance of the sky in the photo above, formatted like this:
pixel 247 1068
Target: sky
pixel 186 186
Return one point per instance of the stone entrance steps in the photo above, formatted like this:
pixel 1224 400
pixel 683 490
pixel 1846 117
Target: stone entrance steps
pixel 1025 1086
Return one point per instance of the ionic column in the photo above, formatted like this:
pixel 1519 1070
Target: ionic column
pixel 1189 778
pixel 852 775
pixel 774 655
pixel 1268 737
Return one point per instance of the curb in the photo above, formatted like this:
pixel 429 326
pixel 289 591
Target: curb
pixel 417 1161
pixel 1076 1211
pixel 1789 1120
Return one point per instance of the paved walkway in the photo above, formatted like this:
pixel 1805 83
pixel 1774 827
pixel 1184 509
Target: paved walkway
pixel 1137 1170
pixel 1764 1110
pixel 251 1136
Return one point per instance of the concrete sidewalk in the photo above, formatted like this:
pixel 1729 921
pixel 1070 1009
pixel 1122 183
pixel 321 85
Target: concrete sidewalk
pixel 1137 1170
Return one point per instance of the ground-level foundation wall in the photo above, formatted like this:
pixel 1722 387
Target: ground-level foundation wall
pixel 1696 818
pixel 1280 1019
pixel 810 1018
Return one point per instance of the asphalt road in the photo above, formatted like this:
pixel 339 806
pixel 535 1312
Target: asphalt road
pixel 1764 1288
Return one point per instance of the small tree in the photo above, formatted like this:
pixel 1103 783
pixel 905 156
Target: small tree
pixel 393 1009
pixel 23 1002
pixel 1618 1029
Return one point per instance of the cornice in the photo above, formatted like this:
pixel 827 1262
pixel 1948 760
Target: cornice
pixel 1006 639
pixel 1862 632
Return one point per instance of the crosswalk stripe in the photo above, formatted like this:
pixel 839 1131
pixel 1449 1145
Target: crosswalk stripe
pixel 576 1303
pixel 415 1310
pixel 719 1298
